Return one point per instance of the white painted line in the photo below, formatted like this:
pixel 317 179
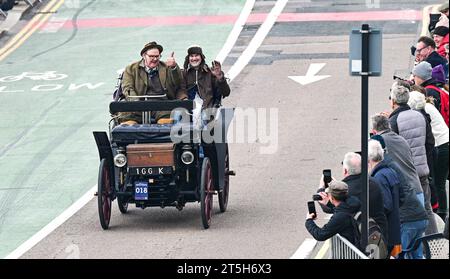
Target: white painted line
pixel 58 221
pixel 305 250
pixel 237 28
pixel 234 71
pixel 257 40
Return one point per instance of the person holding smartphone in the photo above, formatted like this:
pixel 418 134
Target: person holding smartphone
pixel 341 222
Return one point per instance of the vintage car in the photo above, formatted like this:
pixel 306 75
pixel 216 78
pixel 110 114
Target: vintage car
pixel 150 165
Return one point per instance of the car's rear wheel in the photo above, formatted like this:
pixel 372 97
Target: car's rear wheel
pixel 206 193
pixel 104 193
pixel 122 202
pixel 123 205
pixel 223 195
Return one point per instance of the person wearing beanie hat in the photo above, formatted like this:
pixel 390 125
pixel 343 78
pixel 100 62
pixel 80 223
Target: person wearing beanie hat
pixel 422 74
pixel 200 80
pixel 150 76
pixel 440 37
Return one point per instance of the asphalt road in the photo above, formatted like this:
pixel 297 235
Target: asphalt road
pixel 317 124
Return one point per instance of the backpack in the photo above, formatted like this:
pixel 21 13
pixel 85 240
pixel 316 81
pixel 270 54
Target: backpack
pixel 444 101
pixel 376 245
pixel 118 93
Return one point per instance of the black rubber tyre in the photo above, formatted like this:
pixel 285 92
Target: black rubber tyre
pixel 122 202
pixel 223 195
pixel 104 194
pixel 206 193
pixel 123 205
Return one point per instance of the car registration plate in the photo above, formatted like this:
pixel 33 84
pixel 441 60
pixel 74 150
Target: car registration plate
pixel 141 191
pixel 149 170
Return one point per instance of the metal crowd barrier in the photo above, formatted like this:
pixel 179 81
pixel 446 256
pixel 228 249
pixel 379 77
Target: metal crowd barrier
pixel 341 248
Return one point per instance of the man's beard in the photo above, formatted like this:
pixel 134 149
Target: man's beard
pixel 195 64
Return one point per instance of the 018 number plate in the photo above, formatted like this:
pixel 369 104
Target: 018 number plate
pixel 141 191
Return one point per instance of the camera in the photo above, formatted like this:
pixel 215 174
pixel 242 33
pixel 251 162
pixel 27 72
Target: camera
pixel 317 197
pixel 326 177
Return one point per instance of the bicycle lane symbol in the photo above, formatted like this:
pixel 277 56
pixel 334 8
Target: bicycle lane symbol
pixel 47 76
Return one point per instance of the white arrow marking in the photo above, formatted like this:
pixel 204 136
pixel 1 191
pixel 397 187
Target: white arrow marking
pixel 310 76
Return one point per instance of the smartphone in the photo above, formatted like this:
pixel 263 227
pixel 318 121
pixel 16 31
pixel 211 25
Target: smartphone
pixel 317 197
pixel 326 177
pixel 312 208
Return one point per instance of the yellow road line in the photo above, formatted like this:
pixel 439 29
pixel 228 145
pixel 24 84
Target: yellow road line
pixel 323 250
pixel 30 28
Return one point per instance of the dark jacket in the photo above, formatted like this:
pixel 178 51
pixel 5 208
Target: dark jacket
pixel 411 209
pixel 429 141
pixel 412 126
pixel 446 227
pixel 430 92
pixel 435 59
pixel 389 183
pixel 208 86
pixel 376 209
pixel 340 223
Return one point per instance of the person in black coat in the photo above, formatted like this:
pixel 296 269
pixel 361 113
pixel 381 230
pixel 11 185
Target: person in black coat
pixel 425 50
pixel 341 222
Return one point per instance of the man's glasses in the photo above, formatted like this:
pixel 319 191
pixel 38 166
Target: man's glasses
pixel 153 56
pixel 417 51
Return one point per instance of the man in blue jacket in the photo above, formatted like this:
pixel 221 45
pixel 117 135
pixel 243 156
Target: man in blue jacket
pixel 389 181
pixel 398 156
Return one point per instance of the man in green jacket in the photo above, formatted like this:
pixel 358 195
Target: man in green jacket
pixel 151 77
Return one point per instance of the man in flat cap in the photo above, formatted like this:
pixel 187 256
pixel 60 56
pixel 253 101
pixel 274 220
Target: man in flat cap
pixel 151 77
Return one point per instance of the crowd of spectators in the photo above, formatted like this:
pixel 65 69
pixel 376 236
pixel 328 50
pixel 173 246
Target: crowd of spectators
pixel 408 156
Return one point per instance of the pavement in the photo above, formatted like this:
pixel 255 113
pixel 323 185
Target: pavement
pixel 15 14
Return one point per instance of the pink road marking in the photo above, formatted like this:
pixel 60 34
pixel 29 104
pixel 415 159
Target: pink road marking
pixel 253 18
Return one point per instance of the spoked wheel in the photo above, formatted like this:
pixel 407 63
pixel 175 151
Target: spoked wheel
pixel 104 193
pixel 223 195
pixel 206 193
